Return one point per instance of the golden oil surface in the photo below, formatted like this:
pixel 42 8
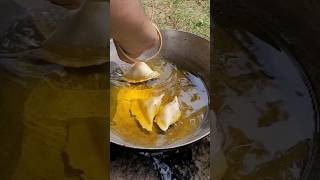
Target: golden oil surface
pixel 173 81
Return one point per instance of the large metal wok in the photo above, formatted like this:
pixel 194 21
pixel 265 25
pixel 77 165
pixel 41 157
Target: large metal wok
pixel 191 53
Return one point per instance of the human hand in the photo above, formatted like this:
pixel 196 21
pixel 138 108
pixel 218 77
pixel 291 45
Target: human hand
pixel 147 46
pixel 131 29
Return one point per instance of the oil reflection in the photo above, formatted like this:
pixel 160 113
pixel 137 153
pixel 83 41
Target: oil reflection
pixel 264 108
pixel 51 116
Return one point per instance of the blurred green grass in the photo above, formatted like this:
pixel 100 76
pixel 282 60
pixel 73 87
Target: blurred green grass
pixel 186 15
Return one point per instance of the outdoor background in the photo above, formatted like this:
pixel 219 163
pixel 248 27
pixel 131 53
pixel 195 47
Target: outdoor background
pixel 186 15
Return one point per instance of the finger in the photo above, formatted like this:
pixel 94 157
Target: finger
pixel 121 55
